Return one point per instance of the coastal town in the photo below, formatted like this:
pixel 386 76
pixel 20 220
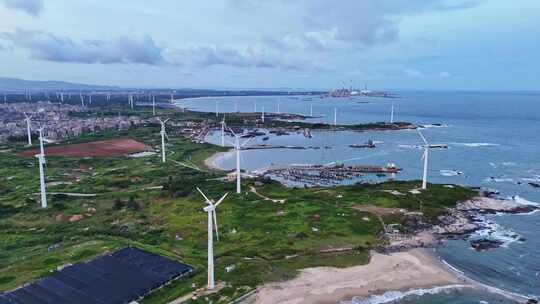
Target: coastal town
pixel 59 121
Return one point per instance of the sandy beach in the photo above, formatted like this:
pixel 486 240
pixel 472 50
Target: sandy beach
pixel 401 271
pixel 210 162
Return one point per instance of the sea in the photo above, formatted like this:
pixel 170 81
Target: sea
pixel 493 141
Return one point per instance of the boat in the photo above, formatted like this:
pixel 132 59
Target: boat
pixel 369 145
pixel 266 138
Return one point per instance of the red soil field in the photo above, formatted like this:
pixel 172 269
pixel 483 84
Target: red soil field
pixel 111 147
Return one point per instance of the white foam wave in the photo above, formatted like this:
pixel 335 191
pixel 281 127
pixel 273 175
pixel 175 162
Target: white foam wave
pixel 493 231
pixel 535 179
pixel 391 296
pixel 475 145
pixel 521 201
pixel 500 179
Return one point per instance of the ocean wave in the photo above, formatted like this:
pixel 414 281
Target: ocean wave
pixel 499 179
pixel 493 231
pixel 521 201
pixel 391 296
pixel 475 145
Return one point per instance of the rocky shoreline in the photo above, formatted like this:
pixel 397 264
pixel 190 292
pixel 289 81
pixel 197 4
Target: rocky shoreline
pixel 460 222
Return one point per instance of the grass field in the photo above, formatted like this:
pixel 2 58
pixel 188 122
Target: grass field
pixel 265 240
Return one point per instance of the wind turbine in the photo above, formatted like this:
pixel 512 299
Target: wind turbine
pixel 335 117
pixel 82 99
pixel 392 114
pixel 217 110
pixel 425 158
pixel 311 110
pixel 223 132
pixel 278 104
pixel 262 115
pixel 28 132
pixel 212 219
pixel 163 135
pixel 90 99
pixel 238 147
pixel 62 97
pixel 153 105
pixel 41 159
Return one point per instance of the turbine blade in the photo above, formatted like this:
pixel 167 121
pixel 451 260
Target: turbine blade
pixel 422 136
pixel 247 141
pixel 221 199
pixel 424 154
pixel 206 198
pixel 215 224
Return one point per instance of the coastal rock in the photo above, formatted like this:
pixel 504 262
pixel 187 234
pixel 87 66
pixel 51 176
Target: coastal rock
pixel 488 205
pixel 485 244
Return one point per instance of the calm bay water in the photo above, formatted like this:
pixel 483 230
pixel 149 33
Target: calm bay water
pixel 494 142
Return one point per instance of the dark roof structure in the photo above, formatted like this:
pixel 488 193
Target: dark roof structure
pixel 119 277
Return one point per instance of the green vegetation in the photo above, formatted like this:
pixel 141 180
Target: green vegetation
pixel 265 240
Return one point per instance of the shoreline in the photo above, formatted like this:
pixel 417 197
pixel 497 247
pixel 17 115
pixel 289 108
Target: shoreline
pixel 399 271
pixel 210 162
pixel 393 276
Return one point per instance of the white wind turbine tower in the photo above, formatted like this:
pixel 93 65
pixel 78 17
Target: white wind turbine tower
pixel 278 104
pixel 28 132
pixel 163 135
pixel 153 105
pixel 255 106
pixel 212 224
pixel 82 99
pixel 425 158
pixel 392 114
pixel 262 115
pixel 62 97
pixel 223 132
pixel 238 147
pixel 217 110
pixel 90 99
pixel 41 159
pixel 335 117
pixel 311 110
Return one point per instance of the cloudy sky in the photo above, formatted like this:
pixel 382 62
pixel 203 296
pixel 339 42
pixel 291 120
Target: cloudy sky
pixel 315 44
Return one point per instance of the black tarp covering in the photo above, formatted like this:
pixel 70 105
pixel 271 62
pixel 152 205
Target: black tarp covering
pixel 115 278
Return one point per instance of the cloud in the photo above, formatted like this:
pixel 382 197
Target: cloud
pixel 250 57
pixel 143 50
pixel 360 23
pixel 49 47
pixel 31 7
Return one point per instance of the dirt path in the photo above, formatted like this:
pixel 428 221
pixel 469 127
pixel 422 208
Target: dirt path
pixel 281 201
